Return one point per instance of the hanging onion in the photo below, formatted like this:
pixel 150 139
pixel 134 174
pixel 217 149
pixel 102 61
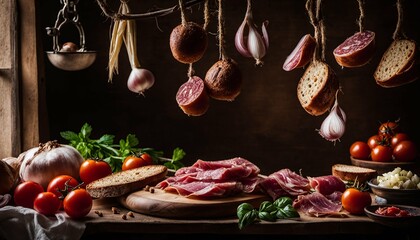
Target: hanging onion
pixel 41 164
pixel 334 126
pixel 254 45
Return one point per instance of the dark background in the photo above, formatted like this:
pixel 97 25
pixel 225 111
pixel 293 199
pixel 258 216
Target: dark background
pixel 266 123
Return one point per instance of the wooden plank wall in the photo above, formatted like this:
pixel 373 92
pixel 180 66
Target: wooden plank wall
pixel 22 102
pixel 9 87
pixel 32 80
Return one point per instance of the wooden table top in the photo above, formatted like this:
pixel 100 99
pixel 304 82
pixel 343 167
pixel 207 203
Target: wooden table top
pixel 111 222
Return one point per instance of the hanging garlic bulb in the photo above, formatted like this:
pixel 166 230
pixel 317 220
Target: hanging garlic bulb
pixel 334 126
pixel 256 45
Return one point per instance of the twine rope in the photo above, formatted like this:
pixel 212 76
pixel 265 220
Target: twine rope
pixel 362 15
pixel 313 7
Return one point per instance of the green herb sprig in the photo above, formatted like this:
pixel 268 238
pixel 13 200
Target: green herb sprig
pixel 281 208
pixel 114 154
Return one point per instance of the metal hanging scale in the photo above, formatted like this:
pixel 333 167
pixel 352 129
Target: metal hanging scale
pixel 65 57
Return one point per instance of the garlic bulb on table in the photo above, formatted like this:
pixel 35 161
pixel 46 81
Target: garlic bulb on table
pixel 41 164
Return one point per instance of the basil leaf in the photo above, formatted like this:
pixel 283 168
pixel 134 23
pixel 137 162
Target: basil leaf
pixel 291 211
pixel 243 208
pixel 282 202
pixel 267 206
pixel 267 216
pixel 247 219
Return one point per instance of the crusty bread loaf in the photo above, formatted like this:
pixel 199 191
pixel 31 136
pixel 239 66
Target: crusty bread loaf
pixel 127 181
pixel 317 87
pixel 397 62
pixel 353 173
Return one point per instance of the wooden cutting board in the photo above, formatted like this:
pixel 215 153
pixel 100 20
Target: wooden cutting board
pixel 170 205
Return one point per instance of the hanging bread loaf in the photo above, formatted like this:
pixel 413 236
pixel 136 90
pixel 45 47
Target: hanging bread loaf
pixel 317 87
pixel 398 65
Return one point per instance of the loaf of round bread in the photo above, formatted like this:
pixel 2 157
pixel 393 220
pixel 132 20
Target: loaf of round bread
pixel 317 87
pixel 123 182
pixel 353 173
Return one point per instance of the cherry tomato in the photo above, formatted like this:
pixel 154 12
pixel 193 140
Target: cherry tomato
pixel 77 203
pixel 381 154
pixel 147 158
pixel 405 151
pixel 374 141
pixel 131 162
pixel 26 192
pixel 360 150
pixel 389 129
pixel 354 200
pixel 47 203
pixel 399 137
pixel 92 170
pixel 59 182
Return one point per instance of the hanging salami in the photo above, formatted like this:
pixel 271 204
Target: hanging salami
pixel 358 49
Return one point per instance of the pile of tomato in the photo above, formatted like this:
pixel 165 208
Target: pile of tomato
pixel 67 193
pixel 388 144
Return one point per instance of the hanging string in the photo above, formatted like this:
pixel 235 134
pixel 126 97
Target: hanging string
pixel 398 33
pixel 182 10
pixel 321 28
pixel 206 15
pixel 362 15
pixel 313 7
pixel 221 32
pixel 191 71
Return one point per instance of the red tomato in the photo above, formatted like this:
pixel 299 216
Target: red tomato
pixel 26 192
pixel 131 162
pixel 91 170
pixel 360 150
pixel 59 183
pixel 47 203
pixel 147 158
pixel 381 154
pixel 389 129
pixel 77 203
pixel 374 141
pixel 354 200
pixel 405 151
pixel 397 138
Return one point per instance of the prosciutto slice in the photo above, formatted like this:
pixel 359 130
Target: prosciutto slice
pixel 211 179
pixel 316 204
pixel 327 185
pixel 285 183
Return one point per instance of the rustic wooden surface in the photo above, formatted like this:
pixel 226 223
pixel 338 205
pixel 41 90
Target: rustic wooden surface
pixel 111 223
pixel 170 205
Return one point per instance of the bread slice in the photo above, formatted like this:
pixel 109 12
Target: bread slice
pixel 317 87
pixel 397 59
pixel 353 173
pixel 127 181
pixel 409 75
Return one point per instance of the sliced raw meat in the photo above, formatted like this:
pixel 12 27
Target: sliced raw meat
pixel 301 54
pixel 210 179
pixel 335 196
pixel 285 183
pixel 327 185
pixel 357 50
pixel 316 204
pixel 192 97
pixel 205 190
